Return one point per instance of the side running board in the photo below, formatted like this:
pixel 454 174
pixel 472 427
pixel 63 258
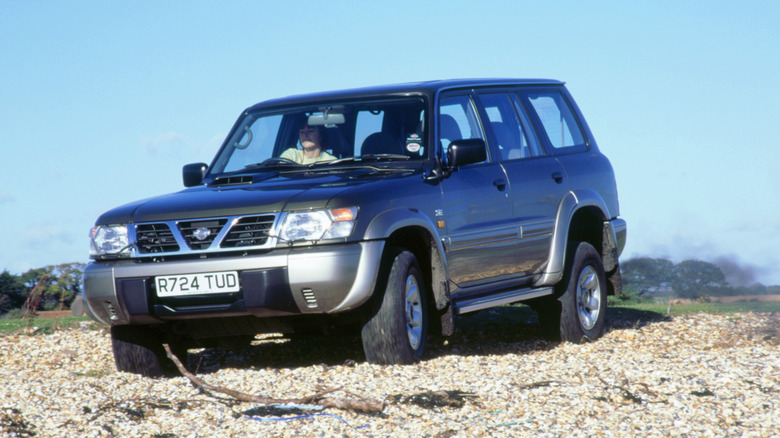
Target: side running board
pixel 508 297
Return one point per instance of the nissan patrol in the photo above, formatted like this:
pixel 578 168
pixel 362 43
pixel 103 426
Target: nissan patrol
pixel 389 209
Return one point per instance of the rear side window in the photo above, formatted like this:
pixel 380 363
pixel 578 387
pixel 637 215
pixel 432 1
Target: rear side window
pixel 558 121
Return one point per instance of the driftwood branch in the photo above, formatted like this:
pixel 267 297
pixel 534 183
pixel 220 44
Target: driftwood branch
pixel 360 403
pixel 631 396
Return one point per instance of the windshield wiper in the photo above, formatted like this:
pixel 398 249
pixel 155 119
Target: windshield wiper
pixel 389 157
pixel 363 158
pixel 273 162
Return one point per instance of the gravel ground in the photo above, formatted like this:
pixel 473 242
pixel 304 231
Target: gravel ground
pixel 695 375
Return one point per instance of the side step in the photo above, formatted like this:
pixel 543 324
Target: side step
pixel 508 297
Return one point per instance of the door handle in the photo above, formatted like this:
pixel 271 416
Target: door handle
pixel 500 184
pixel 557 177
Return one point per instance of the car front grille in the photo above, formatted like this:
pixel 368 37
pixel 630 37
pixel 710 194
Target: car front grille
pixel 155 238
pixel 207 235
pixel 200 234
pixel 248 231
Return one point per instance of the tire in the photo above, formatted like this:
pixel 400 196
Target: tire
pixel 578 314
pixel 139 350
pixel 549 313
pixel 396 326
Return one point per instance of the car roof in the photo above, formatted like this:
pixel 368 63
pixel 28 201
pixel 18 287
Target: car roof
pixel 427 88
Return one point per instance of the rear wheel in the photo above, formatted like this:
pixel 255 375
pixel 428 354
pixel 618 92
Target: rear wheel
pixel 139 350
pixel 396 328
pixel 579 312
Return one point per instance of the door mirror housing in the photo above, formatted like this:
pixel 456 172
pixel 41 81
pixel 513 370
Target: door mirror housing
pixel 463 152
pixel 192 174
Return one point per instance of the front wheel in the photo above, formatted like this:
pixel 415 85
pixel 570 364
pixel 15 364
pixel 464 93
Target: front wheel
pixel 139 349
pixel 396 327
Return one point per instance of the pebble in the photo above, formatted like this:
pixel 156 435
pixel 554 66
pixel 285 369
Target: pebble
pixel 694 375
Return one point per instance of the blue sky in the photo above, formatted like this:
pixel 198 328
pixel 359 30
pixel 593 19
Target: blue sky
pixel 101 103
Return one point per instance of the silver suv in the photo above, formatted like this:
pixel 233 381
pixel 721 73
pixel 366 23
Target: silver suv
pixel 389 209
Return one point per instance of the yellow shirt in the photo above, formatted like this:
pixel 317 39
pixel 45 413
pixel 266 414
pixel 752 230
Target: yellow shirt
pixel 297 155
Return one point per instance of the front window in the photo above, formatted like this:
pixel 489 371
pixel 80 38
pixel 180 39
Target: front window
pixel 384 130
pixel 457 121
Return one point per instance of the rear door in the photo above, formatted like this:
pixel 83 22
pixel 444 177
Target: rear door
pixel 481 236
pixel 565 135
pixel 537 181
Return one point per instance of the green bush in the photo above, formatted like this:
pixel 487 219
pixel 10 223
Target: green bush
pixel 14 314
pixel 630 295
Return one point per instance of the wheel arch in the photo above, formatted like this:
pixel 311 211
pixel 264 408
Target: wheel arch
pixel 410 229
pixel 582 216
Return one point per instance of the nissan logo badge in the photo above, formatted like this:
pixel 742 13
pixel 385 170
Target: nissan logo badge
pixel 201 233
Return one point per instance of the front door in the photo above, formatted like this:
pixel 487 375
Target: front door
pixel 481 238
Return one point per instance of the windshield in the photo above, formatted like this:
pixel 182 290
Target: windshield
pixel 338 133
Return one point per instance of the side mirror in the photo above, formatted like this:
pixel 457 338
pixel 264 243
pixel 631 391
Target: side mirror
pixel 192 174
pixel 462 152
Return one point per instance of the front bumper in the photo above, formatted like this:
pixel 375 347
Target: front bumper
pixel 291 281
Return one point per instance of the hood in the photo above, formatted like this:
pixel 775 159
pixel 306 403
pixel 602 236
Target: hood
pixel 267 194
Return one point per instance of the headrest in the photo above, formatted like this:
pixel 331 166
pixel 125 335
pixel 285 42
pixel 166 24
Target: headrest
pixel 381 143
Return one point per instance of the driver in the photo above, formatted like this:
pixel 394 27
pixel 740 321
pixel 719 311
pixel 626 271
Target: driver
pixel 312 139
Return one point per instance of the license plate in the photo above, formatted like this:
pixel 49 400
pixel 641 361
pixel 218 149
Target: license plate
pixel 195 284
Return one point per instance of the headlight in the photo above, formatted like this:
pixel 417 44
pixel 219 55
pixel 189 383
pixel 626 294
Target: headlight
pixel 318 224
pixel 108 240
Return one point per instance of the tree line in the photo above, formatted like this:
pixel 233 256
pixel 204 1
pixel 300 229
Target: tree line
pixel 49 288
pixel 647 277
